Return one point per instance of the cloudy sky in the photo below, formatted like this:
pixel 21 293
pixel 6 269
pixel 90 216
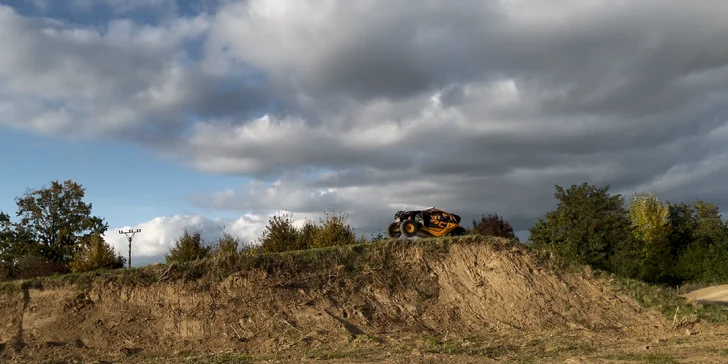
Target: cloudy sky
pixel 214 114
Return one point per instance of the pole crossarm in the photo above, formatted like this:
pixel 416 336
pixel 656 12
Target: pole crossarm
pixel 130 238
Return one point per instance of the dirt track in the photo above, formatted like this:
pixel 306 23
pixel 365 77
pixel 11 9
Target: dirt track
pixel 715 294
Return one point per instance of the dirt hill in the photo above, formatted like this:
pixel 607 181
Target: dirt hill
pixel 320 303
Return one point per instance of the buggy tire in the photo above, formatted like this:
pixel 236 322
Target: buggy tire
pixel 458 231
pixel 409 228
pixel 393 230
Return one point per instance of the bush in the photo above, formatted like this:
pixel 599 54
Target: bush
pixel 225 245
pixel 333 231
pixel 96 254
pixel 32 266
pixel 281 235
pixel 308 234
pixel 188 248
pixel 492 225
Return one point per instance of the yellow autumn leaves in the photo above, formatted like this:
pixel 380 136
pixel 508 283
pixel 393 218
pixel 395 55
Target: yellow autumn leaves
pixel 651 224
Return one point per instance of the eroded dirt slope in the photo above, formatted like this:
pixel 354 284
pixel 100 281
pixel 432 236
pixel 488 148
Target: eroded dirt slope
pixel 284 303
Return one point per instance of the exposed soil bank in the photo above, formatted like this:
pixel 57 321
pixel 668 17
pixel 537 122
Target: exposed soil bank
pixel 288 302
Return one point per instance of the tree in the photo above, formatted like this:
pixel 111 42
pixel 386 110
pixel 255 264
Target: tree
pixel 684 226
pixel 187 248
pixel 57 219
pixel 493 225
pixel 281 235
pixel 335 230
pixel 652 229
pixel 96 254
pixel 226 245
pixel 704 244
pixel 588 226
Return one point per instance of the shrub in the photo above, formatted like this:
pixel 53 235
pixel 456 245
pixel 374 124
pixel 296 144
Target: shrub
pixel 225 245
pixel 492 225
pixel 308 234
pixel 32 266
pixel 333 231
pixel 188 248
pixel 96 254
pixel 280 235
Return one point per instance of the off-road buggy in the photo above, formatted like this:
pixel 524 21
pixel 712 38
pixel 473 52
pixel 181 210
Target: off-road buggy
pixel 425 223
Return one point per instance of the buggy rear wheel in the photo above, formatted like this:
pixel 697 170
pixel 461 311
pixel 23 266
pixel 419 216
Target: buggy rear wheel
pixel 393 230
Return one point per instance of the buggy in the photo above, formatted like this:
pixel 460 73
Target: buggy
pixel 425 223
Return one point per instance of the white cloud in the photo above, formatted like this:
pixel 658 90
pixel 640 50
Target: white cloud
pixel 158 235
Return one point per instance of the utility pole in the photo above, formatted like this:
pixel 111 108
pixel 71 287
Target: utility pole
pixel 129 238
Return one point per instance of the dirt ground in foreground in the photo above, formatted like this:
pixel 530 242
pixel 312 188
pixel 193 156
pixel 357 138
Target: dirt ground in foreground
pixel 707 344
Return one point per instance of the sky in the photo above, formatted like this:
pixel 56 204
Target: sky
pixel 213 115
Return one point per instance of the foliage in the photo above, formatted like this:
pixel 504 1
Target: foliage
pixel 492 225
pixel 588 226
pixel 56 219
pixel 281 235
pixel 652 228
pixel 701 238
pixel 187 248
pixel 96 254
pixel 307 235
pixel 333 231
pixel 227 244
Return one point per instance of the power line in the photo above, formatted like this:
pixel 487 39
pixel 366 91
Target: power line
pixel 129 238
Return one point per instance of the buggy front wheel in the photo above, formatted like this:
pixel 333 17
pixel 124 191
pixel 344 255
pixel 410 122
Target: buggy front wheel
pixel 409 228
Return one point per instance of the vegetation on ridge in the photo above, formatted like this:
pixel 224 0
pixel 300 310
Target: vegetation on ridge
pixel 646 239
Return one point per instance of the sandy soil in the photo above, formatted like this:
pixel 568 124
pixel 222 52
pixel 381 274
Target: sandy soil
pixel 715 294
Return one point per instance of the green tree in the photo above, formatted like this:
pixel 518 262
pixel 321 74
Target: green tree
pixel 57 220
pixel 705 244
pixel 187 248
pixel 333 231
pixel 492 225
pixel 588 226
pixel 281 235
pixel 96 254
pixel 652 228
pixel 684 226
pixel 307 234
pixel 227 244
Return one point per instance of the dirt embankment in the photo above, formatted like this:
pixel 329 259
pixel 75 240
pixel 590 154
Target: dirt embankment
pixel 274 304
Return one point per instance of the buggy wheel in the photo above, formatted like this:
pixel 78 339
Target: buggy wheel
pixel 409 228
pixel 458 231
pixel 393 230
